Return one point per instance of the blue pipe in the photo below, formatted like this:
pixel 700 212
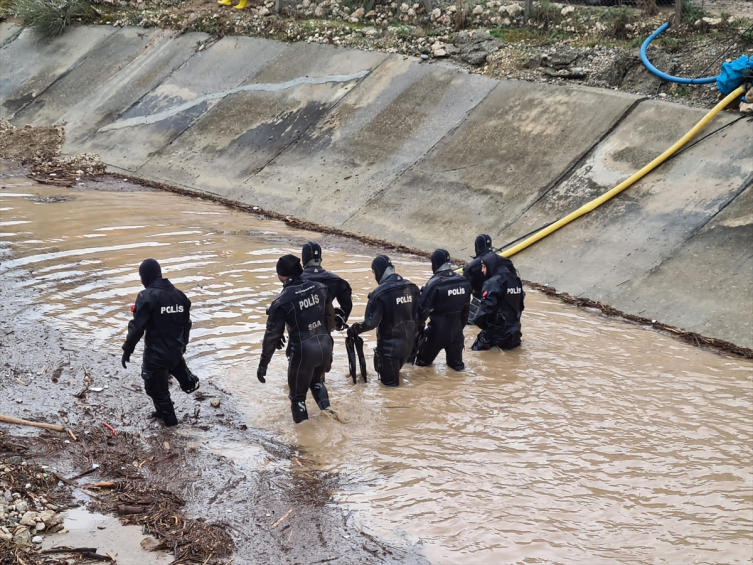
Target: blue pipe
pixel 665 76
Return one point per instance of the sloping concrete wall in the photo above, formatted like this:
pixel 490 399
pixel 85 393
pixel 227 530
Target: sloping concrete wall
pixel 421 154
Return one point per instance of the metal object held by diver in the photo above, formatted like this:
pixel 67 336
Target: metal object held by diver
pixel 475 303
pixel 354 347
pixel 420 339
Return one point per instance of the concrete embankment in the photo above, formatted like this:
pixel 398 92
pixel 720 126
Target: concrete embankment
pixel 420 154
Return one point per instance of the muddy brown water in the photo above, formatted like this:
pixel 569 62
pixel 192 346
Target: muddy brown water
pixel 597 441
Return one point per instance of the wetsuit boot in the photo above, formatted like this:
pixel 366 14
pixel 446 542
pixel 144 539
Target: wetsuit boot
pixel 298 407
pixel 483 342
pixel 319 392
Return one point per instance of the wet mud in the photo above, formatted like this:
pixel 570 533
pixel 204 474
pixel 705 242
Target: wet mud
pixel 598 441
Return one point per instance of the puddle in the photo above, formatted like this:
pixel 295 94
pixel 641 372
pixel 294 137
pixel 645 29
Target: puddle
pixel 596 442
pixel 108 535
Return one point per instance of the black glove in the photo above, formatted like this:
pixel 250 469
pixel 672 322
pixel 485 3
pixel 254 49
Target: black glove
pixel 261 372
pixel 353 331
pixel 125 359
pixel 281 343
pixel 339 319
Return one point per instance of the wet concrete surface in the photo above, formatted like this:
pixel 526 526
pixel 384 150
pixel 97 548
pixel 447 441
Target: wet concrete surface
pixel 597 441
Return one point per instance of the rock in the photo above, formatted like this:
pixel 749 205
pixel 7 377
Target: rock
pixel 263 11
pixel 713 22
pixel 475 48
pixel 29 519
pixel 436 13
pixel 567 10
pixel 22 537
pixel 559 60
pixel 358 14
pixel 749 96
pixel 22 507
pixel 214 403
pixel 512 10
pixel 36 540
pixel 411 13
pixel 39 526
pixel 6 536
pixel 319 12
pixel 152 544
pixel 50 518
pixel 404 8
pixel 424 56
pixel 478 10
pixel 745 108
pixel 439 53
pixel 614 74
pixel 15 460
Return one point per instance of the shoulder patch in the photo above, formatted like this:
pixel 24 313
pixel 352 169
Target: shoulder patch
pixel 485 293
pixel 133 307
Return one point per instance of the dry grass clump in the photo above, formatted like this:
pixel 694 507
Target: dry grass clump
pixel 49 18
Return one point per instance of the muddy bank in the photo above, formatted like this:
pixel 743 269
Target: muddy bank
pixel 46 378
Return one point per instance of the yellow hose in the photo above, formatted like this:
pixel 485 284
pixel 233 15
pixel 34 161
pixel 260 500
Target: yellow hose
pixel 626 183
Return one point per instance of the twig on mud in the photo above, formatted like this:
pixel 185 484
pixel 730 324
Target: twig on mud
pixel 73 436
pixel 20 381
pixel 87 472
pixel 109 427
pixel 281 519
pixel 69 550
pixel 20 422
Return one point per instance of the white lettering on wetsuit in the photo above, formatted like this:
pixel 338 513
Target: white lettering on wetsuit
pixel 517 290
pixel 315 325
pixel 404 299
pixel 308 302
pixel 455 291
pixel 171 309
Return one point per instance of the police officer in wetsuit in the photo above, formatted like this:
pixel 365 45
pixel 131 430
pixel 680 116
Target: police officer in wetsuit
pixel 305 308
pixel 446 300
pixel 501 305
pixel 339 289
pixel 393 310
pixel 162 312
pixel 472 271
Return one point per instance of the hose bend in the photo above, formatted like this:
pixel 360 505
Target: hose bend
pixel 662 75
pixel 626 183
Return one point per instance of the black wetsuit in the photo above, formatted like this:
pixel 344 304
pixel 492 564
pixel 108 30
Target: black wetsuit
pixel 446 301
pixel 162 312
pixel 305 308
pixel 339 289
pixel 393 310
pixel 500 309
